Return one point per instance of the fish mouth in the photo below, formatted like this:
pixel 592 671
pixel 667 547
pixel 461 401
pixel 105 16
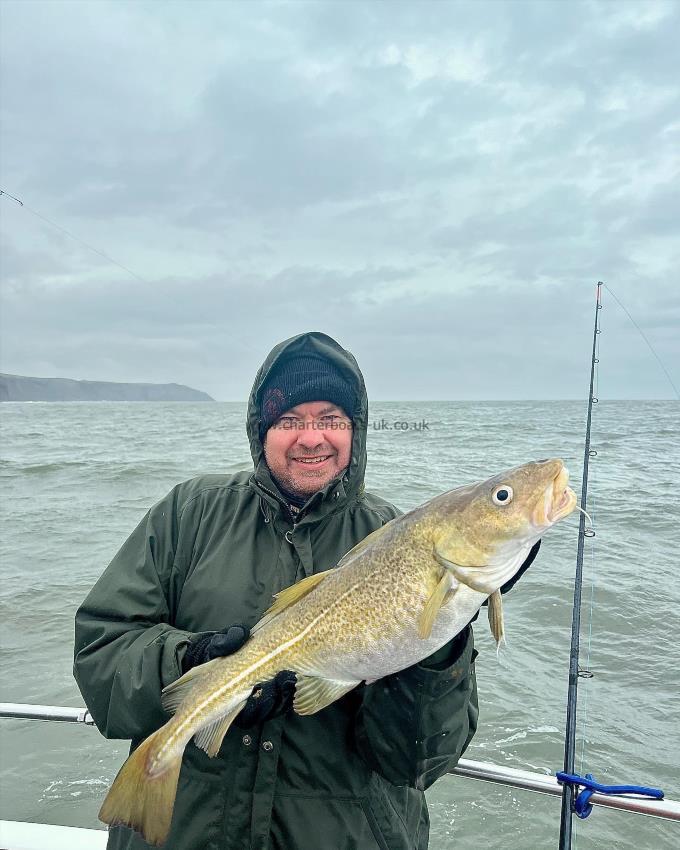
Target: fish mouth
pixel 559 500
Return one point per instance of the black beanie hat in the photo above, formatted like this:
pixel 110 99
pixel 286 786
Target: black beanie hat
pixel 301 378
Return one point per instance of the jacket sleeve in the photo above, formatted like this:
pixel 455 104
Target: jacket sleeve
pixel 126 649
pixel 413 726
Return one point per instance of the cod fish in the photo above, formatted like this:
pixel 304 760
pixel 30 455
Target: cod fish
pixel 395 598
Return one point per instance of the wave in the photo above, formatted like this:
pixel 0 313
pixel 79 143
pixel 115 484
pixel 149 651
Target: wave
pixel 41 468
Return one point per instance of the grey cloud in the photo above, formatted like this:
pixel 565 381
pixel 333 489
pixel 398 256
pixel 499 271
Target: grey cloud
pixel 398 174
pixel 475 339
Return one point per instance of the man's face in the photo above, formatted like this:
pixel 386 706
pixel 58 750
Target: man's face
pixel 309 446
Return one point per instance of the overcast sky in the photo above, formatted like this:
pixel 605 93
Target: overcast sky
pixel 437 185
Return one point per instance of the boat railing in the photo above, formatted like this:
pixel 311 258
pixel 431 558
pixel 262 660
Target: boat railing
pixel 526 780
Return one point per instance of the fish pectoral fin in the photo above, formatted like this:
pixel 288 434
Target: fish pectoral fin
pixel 440 595
pixel 363 544
pixel 480 577
pixel 289 596
pixel 173 694
pixel 210 737
pixel 312 693
pixel 495 611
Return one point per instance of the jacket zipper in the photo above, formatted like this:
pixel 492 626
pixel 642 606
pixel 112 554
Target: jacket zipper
pixel 271 493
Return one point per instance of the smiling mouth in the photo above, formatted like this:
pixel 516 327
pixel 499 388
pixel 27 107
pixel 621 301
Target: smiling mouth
pixel 312 461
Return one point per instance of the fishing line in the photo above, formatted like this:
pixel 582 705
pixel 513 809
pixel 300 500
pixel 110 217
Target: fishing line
pixel 75 238
pixel 238 338
pixel 649 344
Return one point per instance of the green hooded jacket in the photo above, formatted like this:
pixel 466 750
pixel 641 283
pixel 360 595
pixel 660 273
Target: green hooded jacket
pixel 212 553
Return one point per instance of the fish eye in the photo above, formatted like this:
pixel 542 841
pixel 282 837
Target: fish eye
pixel 502 495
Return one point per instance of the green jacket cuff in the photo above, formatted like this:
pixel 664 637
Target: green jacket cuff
pixel 174 650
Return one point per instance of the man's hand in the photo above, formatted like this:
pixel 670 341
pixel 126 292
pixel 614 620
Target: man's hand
pixel 268 700
pixel 210 645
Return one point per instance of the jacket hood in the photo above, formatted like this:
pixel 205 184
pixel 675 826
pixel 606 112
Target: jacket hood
pixel 313 342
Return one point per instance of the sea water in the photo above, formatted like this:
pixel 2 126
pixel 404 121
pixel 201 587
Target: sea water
pixel 77 478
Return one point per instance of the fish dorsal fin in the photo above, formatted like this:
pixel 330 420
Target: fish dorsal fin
pixel 495 612
pixel 433 605
pixel 313 693
pixel 290 596
pixel 364 544
pixel 173 694
pixel 210 737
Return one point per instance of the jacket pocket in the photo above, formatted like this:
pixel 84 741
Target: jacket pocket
pixel 387 808
pixel 308 822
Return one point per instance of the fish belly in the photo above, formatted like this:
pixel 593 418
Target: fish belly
pixel 388 653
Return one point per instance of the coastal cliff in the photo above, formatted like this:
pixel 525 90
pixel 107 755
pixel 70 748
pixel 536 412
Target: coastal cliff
pixel 22 388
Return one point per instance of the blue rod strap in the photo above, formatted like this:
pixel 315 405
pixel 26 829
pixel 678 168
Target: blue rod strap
pixel 582 805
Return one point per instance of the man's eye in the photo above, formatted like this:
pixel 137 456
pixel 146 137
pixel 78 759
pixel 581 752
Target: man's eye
pixel 286 422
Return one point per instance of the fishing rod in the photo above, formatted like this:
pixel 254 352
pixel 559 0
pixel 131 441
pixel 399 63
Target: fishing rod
pixel 575 800
pixel 568 789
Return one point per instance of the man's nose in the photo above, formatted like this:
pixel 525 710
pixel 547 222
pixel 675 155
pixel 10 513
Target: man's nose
pixel 310 436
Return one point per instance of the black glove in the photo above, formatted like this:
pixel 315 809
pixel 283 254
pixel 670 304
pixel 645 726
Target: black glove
pixel 268 699
pixel 211 645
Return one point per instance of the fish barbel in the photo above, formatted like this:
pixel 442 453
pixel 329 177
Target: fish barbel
pixel 395 598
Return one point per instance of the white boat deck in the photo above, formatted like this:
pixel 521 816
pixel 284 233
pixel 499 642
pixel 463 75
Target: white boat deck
pixel 41 836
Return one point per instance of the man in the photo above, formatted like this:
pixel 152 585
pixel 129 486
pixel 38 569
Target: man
pixel 210 556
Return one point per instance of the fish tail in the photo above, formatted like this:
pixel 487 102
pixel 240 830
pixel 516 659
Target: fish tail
pixel 141 799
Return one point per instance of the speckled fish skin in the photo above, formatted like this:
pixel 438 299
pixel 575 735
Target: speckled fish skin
pixel 361 620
